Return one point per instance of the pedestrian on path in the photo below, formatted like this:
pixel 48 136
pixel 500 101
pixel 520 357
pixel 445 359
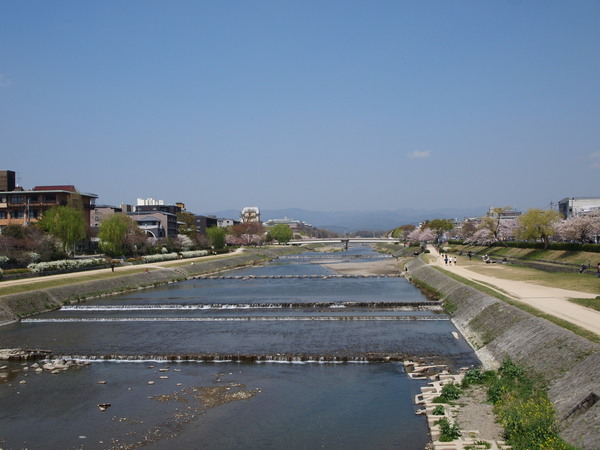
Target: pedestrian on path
pixel 455 260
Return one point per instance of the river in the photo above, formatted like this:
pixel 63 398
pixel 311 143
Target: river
pixel 286 355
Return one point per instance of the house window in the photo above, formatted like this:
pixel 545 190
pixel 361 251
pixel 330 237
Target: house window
pixel 3 215
pixel 34 214
pixel 34 198
pixel 17 199
pixel 17 214
pixel 50 198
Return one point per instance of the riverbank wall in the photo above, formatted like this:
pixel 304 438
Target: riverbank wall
pixel 567 363
pixel 16 306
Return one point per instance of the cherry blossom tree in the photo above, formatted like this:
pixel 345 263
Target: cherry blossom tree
pixel 507 229
pixel 418 235
pixel 582 228
pixel 483 236
pixel 414 236
pixel 494 220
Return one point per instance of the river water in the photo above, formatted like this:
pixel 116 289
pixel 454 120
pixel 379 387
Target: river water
pixel 246 362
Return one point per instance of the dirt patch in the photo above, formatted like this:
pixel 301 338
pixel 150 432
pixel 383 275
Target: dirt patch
pixel 380 267
pixel 475 414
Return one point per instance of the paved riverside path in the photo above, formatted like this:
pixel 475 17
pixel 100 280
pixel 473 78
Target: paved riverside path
pixel 119 270
pixel 552 301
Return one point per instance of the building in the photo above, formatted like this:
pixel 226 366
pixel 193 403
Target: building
pixel 505 214
pixel 575 206
pixel 294 224
pixel 19 206
pixel 156 224
pixel 102 212
pixel 224 223
pixel 205 222
pixel 151 205
pixel 155 218
pixel 250 214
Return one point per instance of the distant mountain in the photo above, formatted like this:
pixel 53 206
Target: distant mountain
pixel 351 221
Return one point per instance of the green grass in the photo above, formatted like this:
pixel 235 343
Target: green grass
pixel 523 409
pixel 593 303
pixel 57 282
pixel 571 281
pixel 95 275
pixel 524 307
pixel 562 256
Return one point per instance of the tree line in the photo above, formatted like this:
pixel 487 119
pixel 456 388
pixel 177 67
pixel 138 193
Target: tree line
pixel 535 225
pixel 61 231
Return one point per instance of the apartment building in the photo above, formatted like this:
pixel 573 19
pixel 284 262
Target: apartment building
pixel 19 206
pixel 575 206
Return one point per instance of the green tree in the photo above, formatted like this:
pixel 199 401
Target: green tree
pixel 440 226
pixel 119 234
pixel 402 232
pixel 281 232
pixel 216 235
pixel 75 201
pixel 113 234
pixel 538 224
pixel 66 223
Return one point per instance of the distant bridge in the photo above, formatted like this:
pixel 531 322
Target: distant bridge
pixel 345 241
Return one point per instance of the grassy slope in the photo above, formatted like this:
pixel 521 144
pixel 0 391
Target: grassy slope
pixel 572 281
pixel 561 256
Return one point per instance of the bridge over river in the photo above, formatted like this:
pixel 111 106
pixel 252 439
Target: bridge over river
pixel 345 241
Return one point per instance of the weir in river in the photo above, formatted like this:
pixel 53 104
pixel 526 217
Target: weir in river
pixel 319 358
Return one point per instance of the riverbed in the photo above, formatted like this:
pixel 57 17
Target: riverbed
pixel 234 363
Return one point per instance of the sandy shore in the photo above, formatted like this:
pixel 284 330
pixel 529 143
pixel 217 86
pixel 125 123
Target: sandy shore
pixel 389 266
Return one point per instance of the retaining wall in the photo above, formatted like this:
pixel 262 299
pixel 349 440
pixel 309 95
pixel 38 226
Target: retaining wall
pixel 568 363
pixel 13 307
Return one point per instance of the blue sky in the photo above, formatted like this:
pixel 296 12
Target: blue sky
pixel 324 105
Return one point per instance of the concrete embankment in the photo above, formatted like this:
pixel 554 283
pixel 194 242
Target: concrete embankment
pixel 569 364
pixel 15 306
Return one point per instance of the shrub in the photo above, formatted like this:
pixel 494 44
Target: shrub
pixel 439 410
pixel 448 431
pixel 524 410
pixel 473 376
pixel 34 257
pixel 64 264
pixel 449 393
pixel 510 370
pixel 529 423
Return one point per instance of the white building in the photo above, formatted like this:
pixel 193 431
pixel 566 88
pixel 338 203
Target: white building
pixel 574 206
pixel 224 223
pixel 149 202
pixel 250 214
